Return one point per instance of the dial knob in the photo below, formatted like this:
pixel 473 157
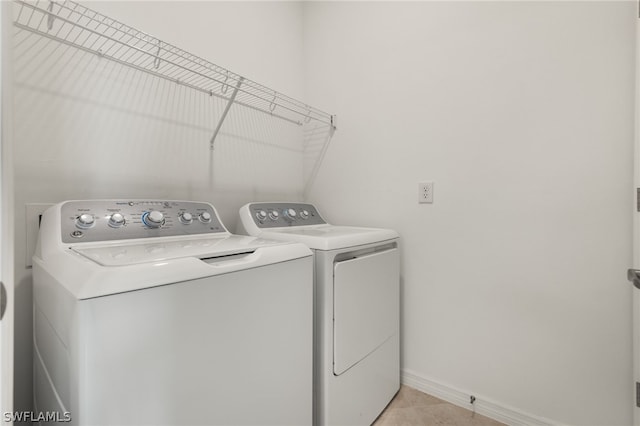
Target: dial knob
pixel 116 220
pixel 186 218
pixel 153 219
pixel 261 215
pixel 304 214
pixel 205 217
pixel 290 213
pixel 274 215
pixel 85 220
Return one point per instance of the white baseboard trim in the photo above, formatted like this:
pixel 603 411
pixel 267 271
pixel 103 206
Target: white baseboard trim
pixel 483 406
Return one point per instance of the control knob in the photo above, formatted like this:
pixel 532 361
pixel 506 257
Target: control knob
pixel 290 214
pixel 304 214
pixel 153 219
pixel 261 215
pixel 85 221
pixel 186 218
pixel 116 220
pixel 205 217
pixel 274 215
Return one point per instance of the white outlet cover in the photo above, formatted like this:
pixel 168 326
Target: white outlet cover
pixel 425 192
pixel 32 219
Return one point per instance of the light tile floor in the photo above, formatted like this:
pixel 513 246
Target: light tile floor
pixel 411 407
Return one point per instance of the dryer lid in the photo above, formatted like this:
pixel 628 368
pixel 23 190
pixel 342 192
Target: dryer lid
pixel 330 237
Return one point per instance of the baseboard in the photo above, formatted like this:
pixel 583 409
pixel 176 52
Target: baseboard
pixel 483 406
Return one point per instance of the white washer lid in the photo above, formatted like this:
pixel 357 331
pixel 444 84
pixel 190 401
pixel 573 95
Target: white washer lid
pixel 330 237
pixel 97 271
pixel 154 251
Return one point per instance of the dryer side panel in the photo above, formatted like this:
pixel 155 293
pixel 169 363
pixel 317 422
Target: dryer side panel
pixel 366 306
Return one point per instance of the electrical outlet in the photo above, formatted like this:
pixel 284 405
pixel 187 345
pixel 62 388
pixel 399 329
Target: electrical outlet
pixel 425 192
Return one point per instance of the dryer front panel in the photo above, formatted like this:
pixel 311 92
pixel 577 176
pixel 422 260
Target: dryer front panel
pixel 365 306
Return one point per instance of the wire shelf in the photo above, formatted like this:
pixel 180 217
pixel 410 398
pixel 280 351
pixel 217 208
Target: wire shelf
pixel 75 25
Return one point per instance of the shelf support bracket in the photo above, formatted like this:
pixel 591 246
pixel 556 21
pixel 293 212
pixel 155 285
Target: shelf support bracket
pixel 50 16
pixel 232 98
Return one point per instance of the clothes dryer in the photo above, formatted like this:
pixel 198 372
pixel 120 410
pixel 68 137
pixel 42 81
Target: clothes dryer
pixel 356 365
pixel 150 312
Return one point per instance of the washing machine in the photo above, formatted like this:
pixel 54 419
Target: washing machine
pixel 357 360
pixel 150 312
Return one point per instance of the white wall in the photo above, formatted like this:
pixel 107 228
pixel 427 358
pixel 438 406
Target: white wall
pixel 6 219
pixel 89 128
pixel 522 113
pixel 513 281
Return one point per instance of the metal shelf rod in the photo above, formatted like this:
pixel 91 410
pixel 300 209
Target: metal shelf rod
pixel 199 89
pixel 89 31
pixel 141 36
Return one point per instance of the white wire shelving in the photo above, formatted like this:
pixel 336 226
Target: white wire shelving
pixel 73 24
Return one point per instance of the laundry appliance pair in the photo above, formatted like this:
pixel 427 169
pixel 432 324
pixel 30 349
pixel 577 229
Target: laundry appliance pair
pixel 151 312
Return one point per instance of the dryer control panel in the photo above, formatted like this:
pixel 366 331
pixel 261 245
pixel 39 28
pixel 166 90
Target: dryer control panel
pixel 106 220
pixel 277 215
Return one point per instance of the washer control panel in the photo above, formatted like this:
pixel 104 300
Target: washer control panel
pixel 106 220
pixel 277 215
